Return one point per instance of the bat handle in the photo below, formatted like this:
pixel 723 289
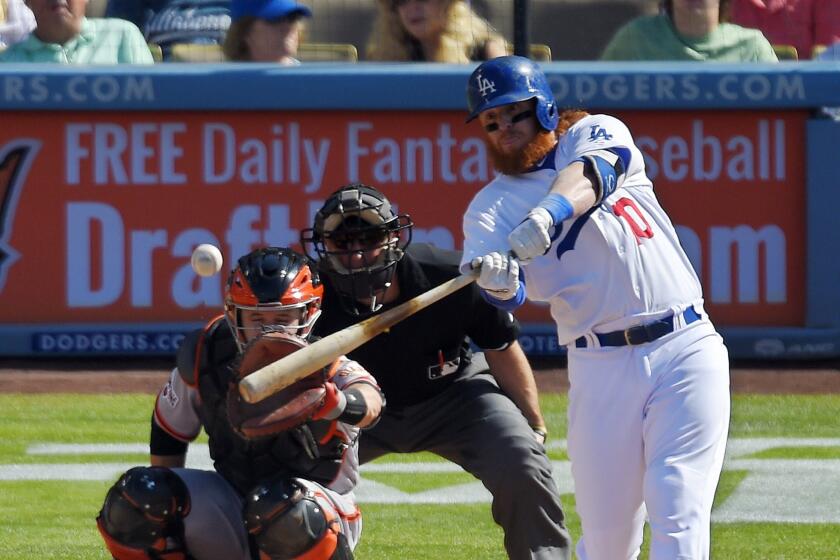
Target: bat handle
pixel 475 264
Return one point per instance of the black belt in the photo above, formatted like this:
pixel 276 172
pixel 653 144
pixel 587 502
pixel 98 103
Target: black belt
pixel 640 334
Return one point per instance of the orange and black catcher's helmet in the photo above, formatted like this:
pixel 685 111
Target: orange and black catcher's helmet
pixel 273 279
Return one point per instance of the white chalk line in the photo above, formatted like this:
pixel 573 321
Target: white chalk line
pixel 804 490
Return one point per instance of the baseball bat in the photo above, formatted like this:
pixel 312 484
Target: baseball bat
pixel 280 374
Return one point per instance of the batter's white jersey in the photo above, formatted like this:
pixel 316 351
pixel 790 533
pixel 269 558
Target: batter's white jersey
pixel 620 263
pixel 176 412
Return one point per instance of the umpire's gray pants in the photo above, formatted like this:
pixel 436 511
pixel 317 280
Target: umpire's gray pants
pixel 475 425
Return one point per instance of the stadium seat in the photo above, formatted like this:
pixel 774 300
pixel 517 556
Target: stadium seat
pixel 817 50
pixel 536 51
pixel 327 52
pixel 157 52
pixel 197 52
pixel 539 52
pixel 307 52
pixel 786 52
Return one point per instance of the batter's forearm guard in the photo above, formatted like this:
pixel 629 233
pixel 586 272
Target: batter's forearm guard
pixel 606 168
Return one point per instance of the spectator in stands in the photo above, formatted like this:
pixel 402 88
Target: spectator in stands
pixel 16 21
pixel 170 22
pixel 804 24
pixel 265 31
pixel 432 30
pixel 689 30
pixel 63 34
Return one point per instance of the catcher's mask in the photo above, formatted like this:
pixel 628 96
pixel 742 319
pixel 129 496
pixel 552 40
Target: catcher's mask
pixel 358 240
pixel 272 279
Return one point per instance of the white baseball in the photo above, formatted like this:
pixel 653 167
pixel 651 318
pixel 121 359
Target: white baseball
pixel 206 260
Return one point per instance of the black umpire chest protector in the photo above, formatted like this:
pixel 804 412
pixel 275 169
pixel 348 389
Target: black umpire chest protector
pixel 421 356
pixel 247 462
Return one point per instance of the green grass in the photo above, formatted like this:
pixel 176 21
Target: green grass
pixel 729 481
pixel 429 531
pixel 777 541
pixel 135 458
pixel 438 532
pixel 419 482
pixel 52 520
pixel 798 453
pixel 55 418
pixel 805 416
pixel 423 457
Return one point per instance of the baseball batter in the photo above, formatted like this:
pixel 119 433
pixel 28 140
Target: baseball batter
pixel 572 220
pixel 285 468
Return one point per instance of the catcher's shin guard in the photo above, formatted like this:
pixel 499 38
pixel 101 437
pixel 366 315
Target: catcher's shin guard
pixel 142 517
pixel 287 523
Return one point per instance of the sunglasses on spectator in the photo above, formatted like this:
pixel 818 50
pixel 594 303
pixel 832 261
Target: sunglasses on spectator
pixel 518 117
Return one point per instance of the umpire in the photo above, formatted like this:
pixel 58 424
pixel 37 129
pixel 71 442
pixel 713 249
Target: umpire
pixel 479 410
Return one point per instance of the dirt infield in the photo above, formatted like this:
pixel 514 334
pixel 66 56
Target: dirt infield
pixel 147 376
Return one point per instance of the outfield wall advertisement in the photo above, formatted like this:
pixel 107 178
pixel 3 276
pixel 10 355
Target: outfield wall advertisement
pixel 100 211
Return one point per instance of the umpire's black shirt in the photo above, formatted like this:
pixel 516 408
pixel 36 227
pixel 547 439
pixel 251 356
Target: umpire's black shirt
pixel 421 356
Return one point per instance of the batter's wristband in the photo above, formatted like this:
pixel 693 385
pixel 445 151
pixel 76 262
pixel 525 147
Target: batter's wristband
pixel 558 206
pixel 541 430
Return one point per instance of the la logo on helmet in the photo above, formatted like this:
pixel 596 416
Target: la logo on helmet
pixel 485 86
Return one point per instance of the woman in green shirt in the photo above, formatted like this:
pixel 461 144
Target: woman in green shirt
pixel 689 30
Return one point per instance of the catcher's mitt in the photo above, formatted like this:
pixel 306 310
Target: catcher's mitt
pixel 284 410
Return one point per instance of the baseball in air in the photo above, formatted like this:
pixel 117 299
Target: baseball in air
pixel 206 260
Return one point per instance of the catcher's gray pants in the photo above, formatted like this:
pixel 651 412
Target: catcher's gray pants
pixel 214 528
pixel 475 425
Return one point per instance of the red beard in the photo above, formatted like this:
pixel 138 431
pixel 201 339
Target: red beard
pixel 527 157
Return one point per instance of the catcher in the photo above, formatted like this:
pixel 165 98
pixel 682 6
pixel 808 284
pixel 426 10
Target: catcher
pixel 285 468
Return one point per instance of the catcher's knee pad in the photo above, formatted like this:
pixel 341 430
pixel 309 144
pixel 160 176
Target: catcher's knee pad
pixel 286 523
pixel 142 517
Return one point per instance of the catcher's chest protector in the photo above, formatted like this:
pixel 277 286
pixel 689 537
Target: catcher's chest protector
pixel 245 463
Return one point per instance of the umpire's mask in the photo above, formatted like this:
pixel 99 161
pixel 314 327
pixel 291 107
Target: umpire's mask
pixel 358 240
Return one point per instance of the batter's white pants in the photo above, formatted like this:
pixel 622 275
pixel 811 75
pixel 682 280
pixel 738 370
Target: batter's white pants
pixel 647 431
pixel 215 530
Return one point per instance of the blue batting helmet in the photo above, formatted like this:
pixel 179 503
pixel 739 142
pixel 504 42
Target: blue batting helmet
pixel 509 79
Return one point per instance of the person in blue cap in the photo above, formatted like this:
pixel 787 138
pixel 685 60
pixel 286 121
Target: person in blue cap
pixel 265 31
